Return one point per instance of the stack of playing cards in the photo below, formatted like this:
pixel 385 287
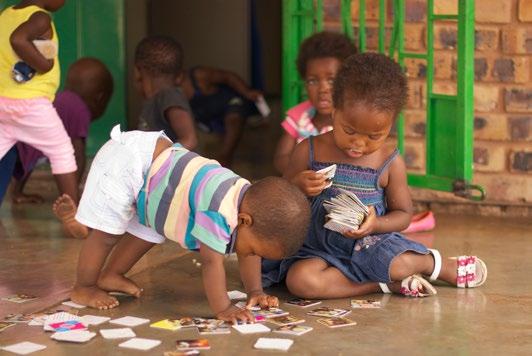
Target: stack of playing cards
pixel 329 173
pixel 344 212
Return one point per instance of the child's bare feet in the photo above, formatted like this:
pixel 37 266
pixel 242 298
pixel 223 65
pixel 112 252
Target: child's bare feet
pixel 22 198
pixel 65 210
pixel 93 297
pixel 118 283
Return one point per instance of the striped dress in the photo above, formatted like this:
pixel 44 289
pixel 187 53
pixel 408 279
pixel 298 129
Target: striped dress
pixel 298 122
pixel 191 200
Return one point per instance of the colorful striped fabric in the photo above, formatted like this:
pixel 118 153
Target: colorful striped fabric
pixel 298 122
pixel 191 199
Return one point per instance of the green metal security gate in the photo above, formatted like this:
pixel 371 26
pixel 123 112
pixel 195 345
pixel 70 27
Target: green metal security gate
pixel 449 127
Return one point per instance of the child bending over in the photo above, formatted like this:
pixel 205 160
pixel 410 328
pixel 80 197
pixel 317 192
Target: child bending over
pixel 318 61
pixel 369 92
pixel 158 66
pixel 26 110
pixel 141 190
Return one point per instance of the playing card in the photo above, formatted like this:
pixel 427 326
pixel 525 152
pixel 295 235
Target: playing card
pixel 269 313
pixel 193 344
pixel 252 328
pixel 94 319
pixel 167 324
pixel 121 333
pixel 4 325
pixel 293 329
pixel 262 106
pixel 131 321
pixel 365 304
pixel 328 312
pixel 214 329
pixel 236 294
pixel 24 348
pixel 58 318
pixel 303 303
pixel 182 353
pixel 337 322
pixel 329 173
pixel 19 298
pixel 242 305
pixel 285 320
pixel 17 318
pixel 70 303
pixel 139 343
pixel 74 336
pixel 67 326
pixel 265 343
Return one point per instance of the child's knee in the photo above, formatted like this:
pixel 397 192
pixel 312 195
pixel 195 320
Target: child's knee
pixel 402 266
pixel 303 284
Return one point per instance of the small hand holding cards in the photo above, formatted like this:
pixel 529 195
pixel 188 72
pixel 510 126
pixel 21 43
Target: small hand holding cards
pixel 262 106
pixel 329 173
pixel 344 212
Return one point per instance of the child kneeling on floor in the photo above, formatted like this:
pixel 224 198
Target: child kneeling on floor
pixel 189 199
pixel 369 92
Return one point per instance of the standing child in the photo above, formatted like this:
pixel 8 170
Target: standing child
pixel 26 110
pixel 318 61
pixel 158 66
pixel 369 92
pixel 141 189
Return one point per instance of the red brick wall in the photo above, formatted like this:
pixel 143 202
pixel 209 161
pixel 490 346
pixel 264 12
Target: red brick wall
pixel 503 93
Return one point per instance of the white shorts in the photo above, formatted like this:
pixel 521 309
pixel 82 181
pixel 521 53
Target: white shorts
pixel 115 179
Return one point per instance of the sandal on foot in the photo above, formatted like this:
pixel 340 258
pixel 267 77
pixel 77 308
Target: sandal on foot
pixel 413 286
pixel 472 272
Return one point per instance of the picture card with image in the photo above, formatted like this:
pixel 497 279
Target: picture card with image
pixel 365 304
pixel 328 312
pixel 270 313
pixel 18 318
pixel 19 298
pixel 4 325
pixel 139 343
pixel 293 329
pixel 193 344
pixel 214 329
pixel 167 324
pixel 286 320
pixel 182 353
pixel 303 303
pixel 337 322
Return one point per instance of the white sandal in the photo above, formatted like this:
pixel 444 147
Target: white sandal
pixel 413 286
pixel 471 271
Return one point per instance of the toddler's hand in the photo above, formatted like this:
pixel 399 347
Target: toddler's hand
pixel 234 314
pixel 367 228
pixel 253 94
pixel 262 299
pixel 310 182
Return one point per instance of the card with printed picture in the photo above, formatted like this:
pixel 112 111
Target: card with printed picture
pixel 269 313
pixel 303 303
pixel 365 304
pixel 182 353
pixel 18 318
pixel 293 329
pixel 193 344
pixel 214 329
pixel 4 325
pixel 328 312
pixel 286 320
pixel 19 298
pixel 337 322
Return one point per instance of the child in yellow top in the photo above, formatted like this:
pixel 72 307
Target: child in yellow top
pixel 26 111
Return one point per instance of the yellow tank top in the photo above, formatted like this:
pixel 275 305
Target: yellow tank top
pixel 41 85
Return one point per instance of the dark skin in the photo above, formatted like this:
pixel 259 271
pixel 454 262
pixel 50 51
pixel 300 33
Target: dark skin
pixel 91 80
pixel 359 138
pixel 93 282
pixel 180 120
pixel 319 77
pixel 208 79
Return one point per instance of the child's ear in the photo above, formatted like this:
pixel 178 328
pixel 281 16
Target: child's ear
pixel 245 219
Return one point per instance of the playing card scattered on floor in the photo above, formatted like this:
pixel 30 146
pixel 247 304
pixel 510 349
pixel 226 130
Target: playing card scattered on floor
pixel 19 298
pixel 4 325
pixel 337 322
pixel 121 333
pixel 286 320
pixel 251 328
pixel 365 304
pixel 265 343
pixel 73 336
pixel 193 344
pixel 303 303
pixel 214 329
pixel 167 324
pixel 58 318
pixel 293 329
pixel 328 312
pixel 94 319
pixel 269 313
pixel 131 321
pixel 139 343
pixel 70 303
pixel 182 353
pixel 236 294
pixel 67 326
pixel 18 318
pixel 24 348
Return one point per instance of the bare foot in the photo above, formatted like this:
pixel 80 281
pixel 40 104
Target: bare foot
pixel 27 199
pixel 117 283
pixel 93 297
pixel 65 210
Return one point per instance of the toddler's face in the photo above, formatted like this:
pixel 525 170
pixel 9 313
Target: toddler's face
pixel 360 129
pixel 319 78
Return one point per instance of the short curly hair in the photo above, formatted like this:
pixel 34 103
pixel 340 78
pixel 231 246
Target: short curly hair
pixel 159 56
pixel 280 212
pixel 371 78
pixel 323 45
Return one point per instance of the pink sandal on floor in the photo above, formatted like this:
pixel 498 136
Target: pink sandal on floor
pixel 472 272
pixel 423 221
pixel 413 286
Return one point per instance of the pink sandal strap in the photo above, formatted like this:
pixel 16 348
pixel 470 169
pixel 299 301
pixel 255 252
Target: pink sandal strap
pixel 466 271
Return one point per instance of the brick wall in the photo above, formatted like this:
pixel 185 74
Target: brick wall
pixel 503 93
